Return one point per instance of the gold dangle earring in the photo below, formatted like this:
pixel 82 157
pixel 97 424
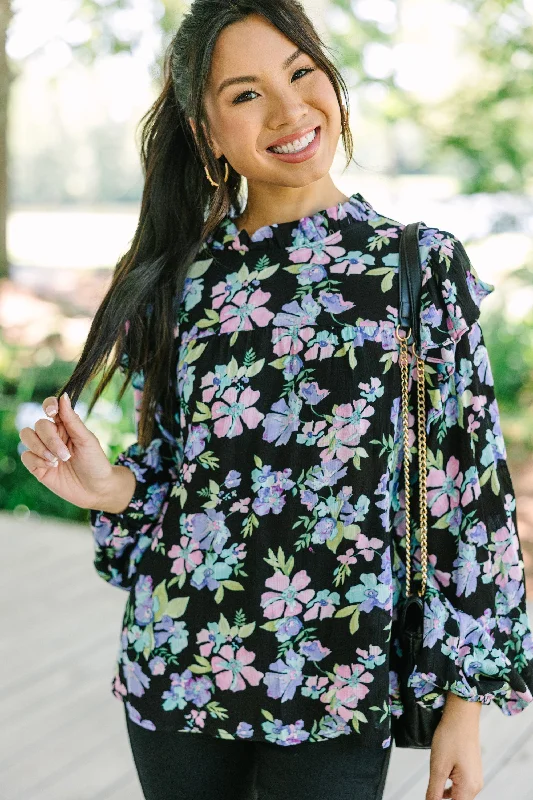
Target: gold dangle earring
pixel 210 179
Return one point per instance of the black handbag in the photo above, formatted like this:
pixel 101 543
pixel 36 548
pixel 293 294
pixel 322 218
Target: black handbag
pixel 416 725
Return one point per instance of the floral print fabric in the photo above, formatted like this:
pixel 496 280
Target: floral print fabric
pixel 263 551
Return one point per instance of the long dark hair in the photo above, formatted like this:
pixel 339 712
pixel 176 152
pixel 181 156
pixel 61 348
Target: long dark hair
pixel 135 321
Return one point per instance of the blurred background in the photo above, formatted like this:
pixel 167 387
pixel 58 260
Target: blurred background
pixel 441 117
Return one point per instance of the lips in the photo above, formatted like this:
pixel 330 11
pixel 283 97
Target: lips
pixel 292 137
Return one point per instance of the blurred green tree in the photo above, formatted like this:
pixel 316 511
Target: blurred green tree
pixel 481 131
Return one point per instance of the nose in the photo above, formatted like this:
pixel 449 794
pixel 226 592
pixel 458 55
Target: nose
pixel 286 110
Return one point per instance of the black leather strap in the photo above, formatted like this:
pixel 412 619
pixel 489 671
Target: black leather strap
pixel 410 275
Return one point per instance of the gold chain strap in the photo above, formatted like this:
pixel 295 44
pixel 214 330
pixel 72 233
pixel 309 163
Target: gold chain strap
pixel 421 429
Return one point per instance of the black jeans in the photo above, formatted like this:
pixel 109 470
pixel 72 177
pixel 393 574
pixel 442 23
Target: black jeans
pixel 198 766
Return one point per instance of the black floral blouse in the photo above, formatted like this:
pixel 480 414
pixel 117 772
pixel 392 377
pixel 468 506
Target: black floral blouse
pixel 263 551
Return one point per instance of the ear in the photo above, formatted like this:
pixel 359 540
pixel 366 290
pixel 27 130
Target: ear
pixel 217 152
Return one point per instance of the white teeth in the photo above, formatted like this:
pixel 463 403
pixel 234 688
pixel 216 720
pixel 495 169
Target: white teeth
pixel 297 145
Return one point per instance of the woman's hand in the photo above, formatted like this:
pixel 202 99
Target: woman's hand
pixel 456 752
pixel 84 478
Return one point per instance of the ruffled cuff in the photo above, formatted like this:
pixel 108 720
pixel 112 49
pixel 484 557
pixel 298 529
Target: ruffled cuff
pixel 460 655
pixel 121 539
pixel 450 299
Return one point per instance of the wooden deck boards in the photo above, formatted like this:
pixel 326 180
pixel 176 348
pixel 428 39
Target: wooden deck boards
pixel 63 735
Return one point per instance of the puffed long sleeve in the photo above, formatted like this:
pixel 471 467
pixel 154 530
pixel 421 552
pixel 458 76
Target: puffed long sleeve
pixel 121 539
pixel 477 637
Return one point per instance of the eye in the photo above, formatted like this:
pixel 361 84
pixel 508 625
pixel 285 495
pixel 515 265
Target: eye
pixel 242 98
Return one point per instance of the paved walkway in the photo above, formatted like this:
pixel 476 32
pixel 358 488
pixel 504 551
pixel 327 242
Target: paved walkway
pixel 63 734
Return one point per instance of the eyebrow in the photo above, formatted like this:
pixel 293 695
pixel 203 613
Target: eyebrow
pixel 249 78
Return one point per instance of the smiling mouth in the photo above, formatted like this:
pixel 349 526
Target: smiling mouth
pixel 297 145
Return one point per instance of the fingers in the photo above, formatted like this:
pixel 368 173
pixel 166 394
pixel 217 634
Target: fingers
pixel 72 422
pixel 50 406
pixel 35 463
pixel 37 446
pixel 45 441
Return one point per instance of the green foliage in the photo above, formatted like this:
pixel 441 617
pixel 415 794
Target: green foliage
pixel 26 378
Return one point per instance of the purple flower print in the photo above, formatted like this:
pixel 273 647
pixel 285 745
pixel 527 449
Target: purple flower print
pixel 312 273
pixel 285 735
pixel 185 688
pixel 244 731
pixel 136 680
pixel 467 569
pixel 446 493
pixel 313 650
pixel 229 411
pixel 232 669
pixel 209 529
pixel 283 420
pixel 435 615
pixel 312 394
pixel 186 555
pixel 157 665
pixel 324 530
pixel 285 598
pixel 334 303
pixel 195 444
pixel 348 426
pixel 352 263
pixel 285 677
pixel 134 715
pixel 172 632
pixel 320 251
pixel 245 310
pixel 287 628
pixel 326 475
pixel 347 690
pixel 322 605
pixel 271 488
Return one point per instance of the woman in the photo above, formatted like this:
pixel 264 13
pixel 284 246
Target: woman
pixel 258 522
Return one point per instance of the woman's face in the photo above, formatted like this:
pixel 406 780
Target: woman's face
pixel 279 93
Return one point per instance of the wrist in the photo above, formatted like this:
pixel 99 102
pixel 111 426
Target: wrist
pixel 459 705
pixel 120 490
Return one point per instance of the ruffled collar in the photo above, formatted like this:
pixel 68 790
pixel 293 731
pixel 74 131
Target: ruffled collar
pixel 226 235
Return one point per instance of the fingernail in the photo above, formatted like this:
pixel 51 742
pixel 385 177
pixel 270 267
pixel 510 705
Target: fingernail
pixel 67 398
pixel 54 463
pixel 50 456
pixel 63 452
pixel 50 410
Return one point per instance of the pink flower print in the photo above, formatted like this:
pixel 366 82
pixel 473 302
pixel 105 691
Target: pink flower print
pixel 229 411
pixel 314 685
pixel 209 638
pixel 368 547
pixel 320 251
pixel 447 492
pixel 241 505
pixel 284 600
pixel 198 717
pixel 290 340
pixel 238 316
pixel 188 471
pixel 323 605
pixel 344 435
pixel 348 557
pixel 223 289
pixel 442 577
pixel 232 668
pixel 353 263
pixel 323 345
pixel 214 383
pixel 349 687
pixel 473 424
pixel 187 555
pixel 310 432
